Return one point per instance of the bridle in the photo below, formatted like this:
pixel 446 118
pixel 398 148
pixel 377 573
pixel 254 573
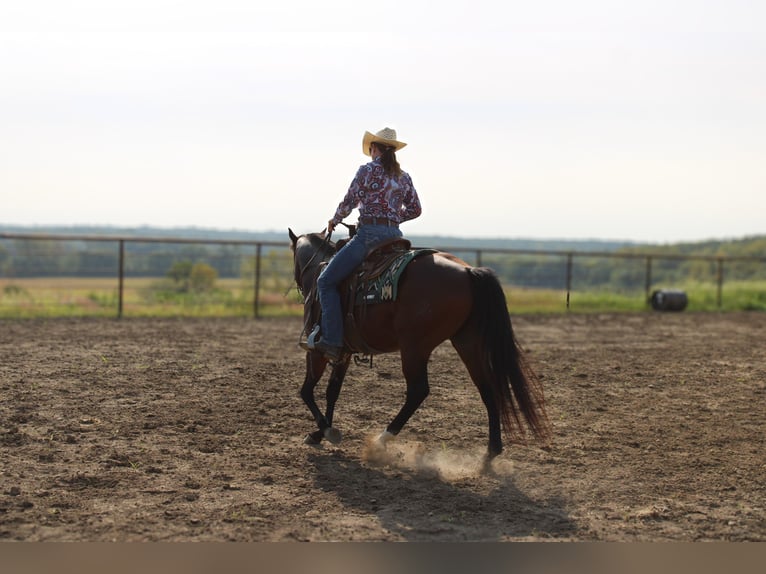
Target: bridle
pixel 300 271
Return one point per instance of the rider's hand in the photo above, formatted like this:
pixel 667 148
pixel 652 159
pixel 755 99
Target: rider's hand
pixel 330 226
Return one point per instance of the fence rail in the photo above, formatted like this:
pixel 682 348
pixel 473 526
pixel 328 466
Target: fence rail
pixel 649 258
pixel 568 258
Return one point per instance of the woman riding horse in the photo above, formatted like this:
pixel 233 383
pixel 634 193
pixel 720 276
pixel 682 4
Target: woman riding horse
pixel 385 197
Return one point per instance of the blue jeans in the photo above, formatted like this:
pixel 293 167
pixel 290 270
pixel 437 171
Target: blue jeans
pixel 340 266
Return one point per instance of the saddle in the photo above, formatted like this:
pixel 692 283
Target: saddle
pixel 374 281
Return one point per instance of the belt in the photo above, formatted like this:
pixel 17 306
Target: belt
pixel 377 221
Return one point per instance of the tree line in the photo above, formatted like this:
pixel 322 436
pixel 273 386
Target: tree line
pixel 78 258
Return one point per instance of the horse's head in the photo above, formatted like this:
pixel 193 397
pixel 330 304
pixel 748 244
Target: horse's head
pixel 308 252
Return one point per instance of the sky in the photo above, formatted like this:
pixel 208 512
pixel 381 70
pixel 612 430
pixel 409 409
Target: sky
pixel 614 120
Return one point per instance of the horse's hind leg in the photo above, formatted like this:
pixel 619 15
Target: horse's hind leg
pixel 471 356
pixel 415 369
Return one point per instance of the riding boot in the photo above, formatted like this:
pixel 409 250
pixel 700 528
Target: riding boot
pixel 332 352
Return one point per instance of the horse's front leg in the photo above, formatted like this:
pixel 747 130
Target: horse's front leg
pixel 315 366
pixel 337 376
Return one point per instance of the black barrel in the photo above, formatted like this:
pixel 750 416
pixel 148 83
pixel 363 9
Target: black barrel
pixel 669 300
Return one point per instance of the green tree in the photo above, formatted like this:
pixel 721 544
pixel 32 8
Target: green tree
pixel 180 272
pixel 202 278
pixel 192 277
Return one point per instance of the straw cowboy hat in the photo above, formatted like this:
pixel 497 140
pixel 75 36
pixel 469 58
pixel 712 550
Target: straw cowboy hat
pixel 386 136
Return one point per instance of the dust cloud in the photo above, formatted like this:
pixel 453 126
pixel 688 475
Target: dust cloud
pixel 447 463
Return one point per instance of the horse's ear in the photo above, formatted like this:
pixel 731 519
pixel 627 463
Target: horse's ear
pixel 293 237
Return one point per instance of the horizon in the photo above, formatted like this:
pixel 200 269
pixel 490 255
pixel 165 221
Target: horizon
pixel 197 228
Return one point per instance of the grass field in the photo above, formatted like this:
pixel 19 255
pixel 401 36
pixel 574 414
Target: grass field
pixel 60 297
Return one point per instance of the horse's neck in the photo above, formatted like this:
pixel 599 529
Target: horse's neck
pixel 312 266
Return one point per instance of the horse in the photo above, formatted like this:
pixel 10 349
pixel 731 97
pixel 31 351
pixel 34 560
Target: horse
pixel 440 297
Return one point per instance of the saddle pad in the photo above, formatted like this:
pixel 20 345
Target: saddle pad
pixel 384 288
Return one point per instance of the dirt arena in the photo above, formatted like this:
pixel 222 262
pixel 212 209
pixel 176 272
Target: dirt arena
pixel 192 430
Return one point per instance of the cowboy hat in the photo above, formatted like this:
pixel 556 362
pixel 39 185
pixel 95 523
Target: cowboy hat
pixel 386 136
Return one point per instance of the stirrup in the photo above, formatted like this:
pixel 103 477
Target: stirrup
pixel 311 340
pixel 363 360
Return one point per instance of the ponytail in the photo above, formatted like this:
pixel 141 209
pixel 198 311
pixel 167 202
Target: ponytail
pixel 388 159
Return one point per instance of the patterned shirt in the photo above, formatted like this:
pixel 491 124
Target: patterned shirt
pixel 379 195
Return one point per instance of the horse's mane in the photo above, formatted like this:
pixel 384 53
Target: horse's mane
pixel 320 243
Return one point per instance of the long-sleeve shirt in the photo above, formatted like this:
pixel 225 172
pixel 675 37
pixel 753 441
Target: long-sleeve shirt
pixel 379 195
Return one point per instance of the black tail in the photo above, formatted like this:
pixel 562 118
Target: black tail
pixel 516 388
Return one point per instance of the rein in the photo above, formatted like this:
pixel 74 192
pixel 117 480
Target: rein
pixel 301 270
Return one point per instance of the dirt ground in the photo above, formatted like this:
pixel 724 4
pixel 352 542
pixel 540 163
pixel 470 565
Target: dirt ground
pixel 192 430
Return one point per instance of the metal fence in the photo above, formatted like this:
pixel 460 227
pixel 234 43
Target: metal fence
pixel 648 260
pixel 123 257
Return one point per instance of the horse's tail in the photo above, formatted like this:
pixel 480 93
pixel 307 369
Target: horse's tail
pixel 516 388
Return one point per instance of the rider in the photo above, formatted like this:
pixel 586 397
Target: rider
pixel 385 197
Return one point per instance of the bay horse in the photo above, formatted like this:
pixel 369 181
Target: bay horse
pixel 440 297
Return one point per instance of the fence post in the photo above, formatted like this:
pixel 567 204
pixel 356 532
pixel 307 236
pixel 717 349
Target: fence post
pixel 121 280
pixel 719 298
pixel 648 284
pixel 256 301
pixel 570 256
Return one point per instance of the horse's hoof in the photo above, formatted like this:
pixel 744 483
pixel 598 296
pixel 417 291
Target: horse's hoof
pixel 487 468
pixel 333 435
pixel 311 440
pixel 384 438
